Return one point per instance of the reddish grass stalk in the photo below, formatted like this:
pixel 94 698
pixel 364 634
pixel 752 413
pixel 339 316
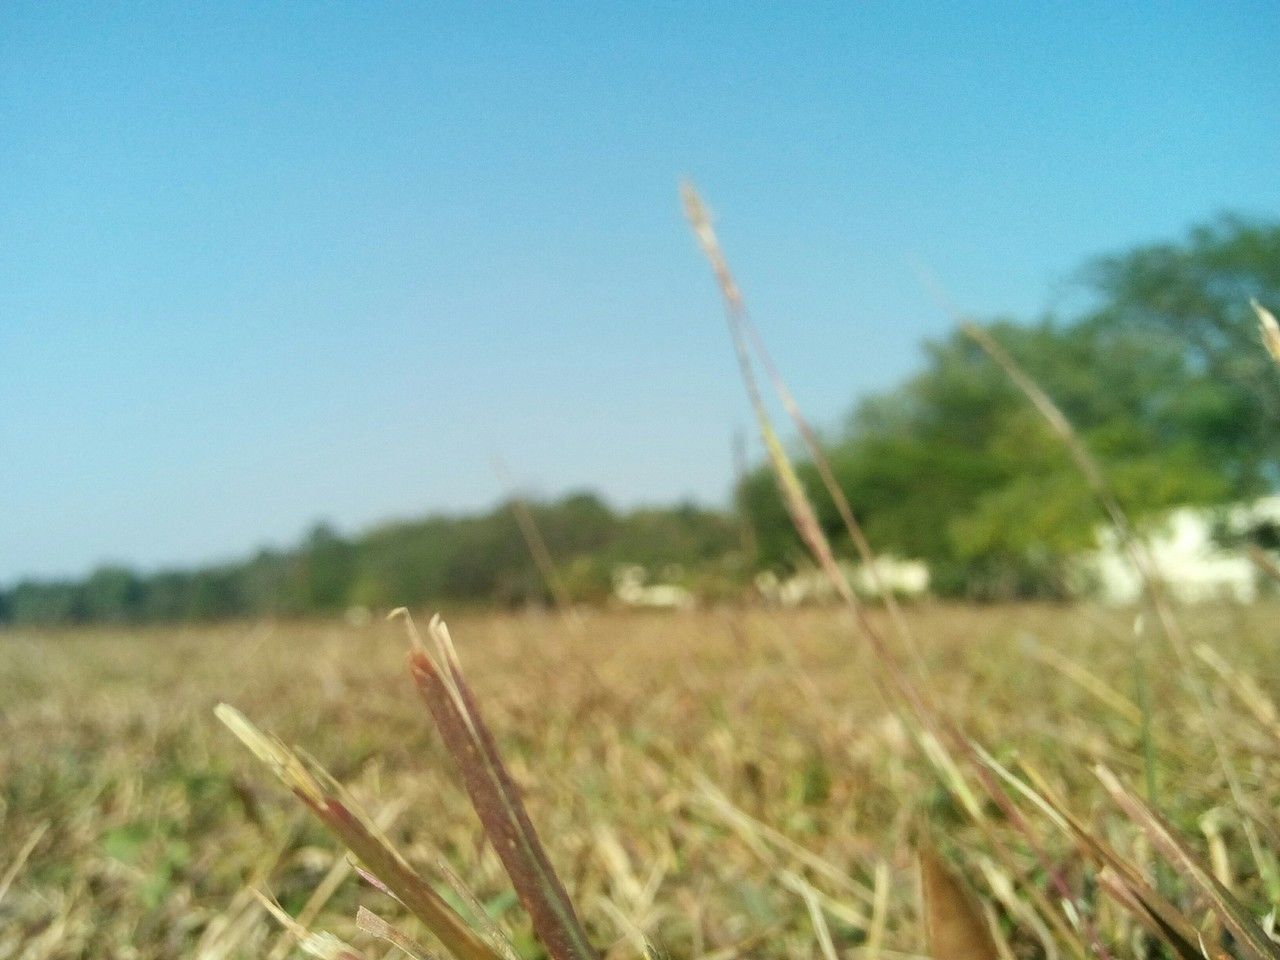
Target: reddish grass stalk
pixel 495 796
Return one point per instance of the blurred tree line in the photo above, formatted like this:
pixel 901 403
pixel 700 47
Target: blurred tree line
pixel 1162 374
pixel 480 559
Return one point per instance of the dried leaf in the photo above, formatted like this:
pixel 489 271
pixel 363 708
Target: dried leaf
pixel 955 928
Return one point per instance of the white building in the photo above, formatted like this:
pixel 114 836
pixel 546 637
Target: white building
pixel 1188 553
pixel 632 589
pixel 903 578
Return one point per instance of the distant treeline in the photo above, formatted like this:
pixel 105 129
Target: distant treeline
pixel 1163 374
pixel 470 559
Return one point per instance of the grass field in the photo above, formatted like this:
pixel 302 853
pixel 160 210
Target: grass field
pixel 700 779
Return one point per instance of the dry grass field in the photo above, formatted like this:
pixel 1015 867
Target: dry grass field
pixel 724 783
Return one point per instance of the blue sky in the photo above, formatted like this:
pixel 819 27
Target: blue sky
pixel 262 264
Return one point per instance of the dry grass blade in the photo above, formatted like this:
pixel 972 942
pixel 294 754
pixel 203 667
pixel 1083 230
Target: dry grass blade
pixel 759 836
pixel 794 498
pixel 20 860
pixel 371 923
pixel 1270 329
pixel 879 912
pixel 813 904
pixel 328 886
pixel 1246 930
pixel 1002 888
pixel 891 678
pixel 325 946
pixel 1127 886
pixel 742 329
pixel 495 797
pixel 955 928
pixel 1153 920
pixel 1245 688
pixel 487 927
pixel 1090 682
pixel 315 788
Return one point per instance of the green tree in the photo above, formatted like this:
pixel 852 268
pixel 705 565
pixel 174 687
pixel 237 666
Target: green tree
pixel 1163 376
pixel 325 570
pixel 113 595
pixel 1194 298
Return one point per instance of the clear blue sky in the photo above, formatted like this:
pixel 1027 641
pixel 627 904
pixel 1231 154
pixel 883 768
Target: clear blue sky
pixel 267 263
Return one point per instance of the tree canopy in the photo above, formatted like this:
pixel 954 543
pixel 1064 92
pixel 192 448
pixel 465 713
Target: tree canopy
pixel 1163 376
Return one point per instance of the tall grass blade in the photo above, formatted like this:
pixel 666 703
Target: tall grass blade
pixel 495 797
pixel 743 330
pixel 315 788
pixel 20 860
pixel 1233 914
pixel 538 549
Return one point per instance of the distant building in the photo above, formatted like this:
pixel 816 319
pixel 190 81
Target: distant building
pixel 888 574
pixel 631 588
pixel 1200 555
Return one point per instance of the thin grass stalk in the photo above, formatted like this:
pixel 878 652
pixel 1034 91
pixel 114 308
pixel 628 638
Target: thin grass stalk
pixel 741 324
pixel 1246 930
pixel 747 530
pixel 20 860
pixel 1141 557
pixel 813 903
pixel 1094 685
pixel 537 545
pixel 890 679
pixel 329 803
pixel 1245 688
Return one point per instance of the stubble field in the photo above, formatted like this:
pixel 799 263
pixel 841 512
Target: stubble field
pixel 725 783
